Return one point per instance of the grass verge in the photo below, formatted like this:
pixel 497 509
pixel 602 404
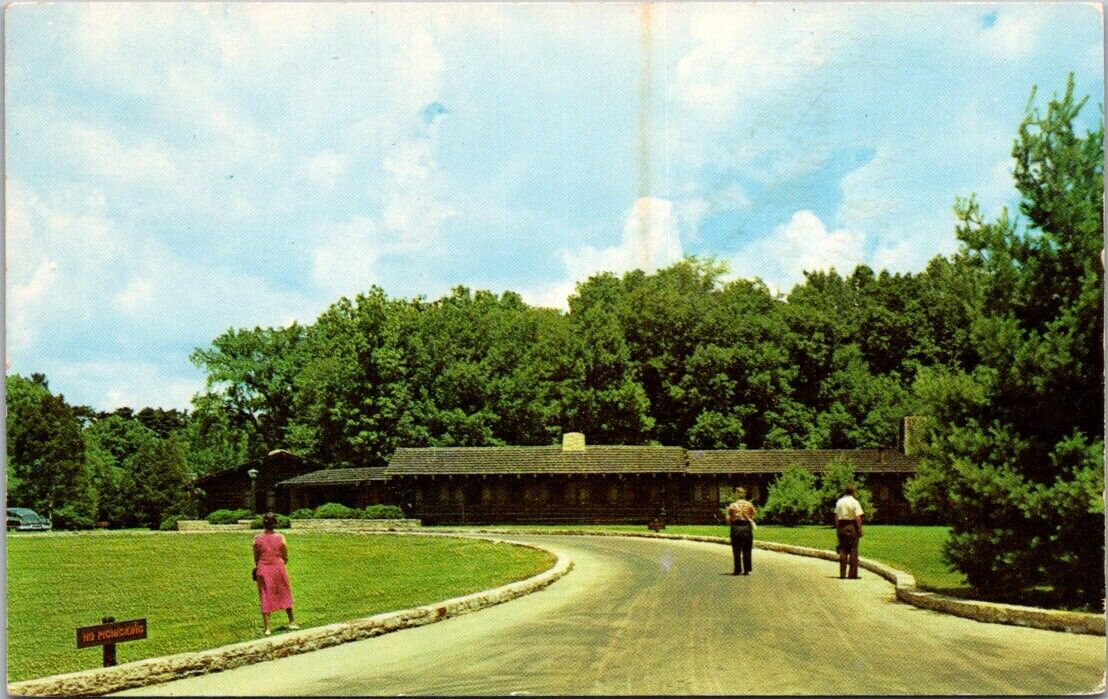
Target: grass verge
pixel 195 590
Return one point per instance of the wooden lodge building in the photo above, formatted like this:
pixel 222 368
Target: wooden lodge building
pixel 573 482
pixel 629 484
pixel 233 488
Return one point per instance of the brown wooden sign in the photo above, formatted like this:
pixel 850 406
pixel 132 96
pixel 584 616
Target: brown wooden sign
pixel 111 633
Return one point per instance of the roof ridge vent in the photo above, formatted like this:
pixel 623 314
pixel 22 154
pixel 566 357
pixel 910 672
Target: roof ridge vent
pixel 573 441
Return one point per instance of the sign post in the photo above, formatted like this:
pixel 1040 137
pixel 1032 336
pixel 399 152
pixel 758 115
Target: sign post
pixel 109 633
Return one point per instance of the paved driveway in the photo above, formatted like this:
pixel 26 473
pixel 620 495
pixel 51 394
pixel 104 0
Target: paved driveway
pixel 642 616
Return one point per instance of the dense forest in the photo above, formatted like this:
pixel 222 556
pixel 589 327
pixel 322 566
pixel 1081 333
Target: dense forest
pixel 1000 344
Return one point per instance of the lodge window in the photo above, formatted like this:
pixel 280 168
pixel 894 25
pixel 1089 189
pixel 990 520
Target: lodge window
pixel 613 494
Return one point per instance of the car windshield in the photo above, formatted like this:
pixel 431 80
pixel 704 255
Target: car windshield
pixel 22 512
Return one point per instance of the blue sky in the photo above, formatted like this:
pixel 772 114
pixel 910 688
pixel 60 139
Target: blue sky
pixel 174 170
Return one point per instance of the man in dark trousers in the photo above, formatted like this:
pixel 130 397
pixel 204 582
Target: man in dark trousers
pixel 848 524
pixel 740 515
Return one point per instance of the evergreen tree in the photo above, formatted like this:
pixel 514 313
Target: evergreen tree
pixel 1016 455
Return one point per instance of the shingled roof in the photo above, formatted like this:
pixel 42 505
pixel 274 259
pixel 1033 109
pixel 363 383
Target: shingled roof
pixel 525 460
pixel 816 460
pixel 338 476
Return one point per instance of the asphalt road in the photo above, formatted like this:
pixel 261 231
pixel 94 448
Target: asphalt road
pixel 662 617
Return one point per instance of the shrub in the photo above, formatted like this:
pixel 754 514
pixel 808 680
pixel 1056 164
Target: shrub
pixel 384 512
pixel 793 497
pixel 302 513
pixel 69 517
pixel 283 522
pixel 832 483
pixel 334 510
pixel 169 522
pixel 227 516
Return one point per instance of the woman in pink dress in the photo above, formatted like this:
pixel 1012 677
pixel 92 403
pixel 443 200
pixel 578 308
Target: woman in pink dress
pixel 270 556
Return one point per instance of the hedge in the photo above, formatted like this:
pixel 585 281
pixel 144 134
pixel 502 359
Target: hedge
pixel 228 516
pixel 383 512
pixel 283 522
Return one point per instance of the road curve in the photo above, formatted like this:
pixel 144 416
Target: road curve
pixel 640 616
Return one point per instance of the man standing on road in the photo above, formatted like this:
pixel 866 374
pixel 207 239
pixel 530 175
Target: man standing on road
pixel 740 515
pixel 848 523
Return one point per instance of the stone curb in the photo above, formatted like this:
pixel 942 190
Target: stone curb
pixel 149 671
pixel 904 583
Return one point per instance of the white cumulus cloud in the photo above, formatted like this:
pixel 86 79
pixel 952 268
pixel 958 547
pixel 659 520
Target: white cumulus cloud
pixel 344 263
pixel 650 241
pixel 801 244
pixel 327 167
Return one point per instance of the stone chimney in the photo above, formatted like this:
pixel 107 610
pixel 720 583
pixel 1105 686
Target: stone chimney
pixel 913 434
pixel 573 441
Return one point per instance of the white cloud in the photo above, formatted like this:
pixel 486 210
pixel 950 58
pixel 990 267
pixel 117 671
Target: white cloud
pixel 872 193
pixel 691 211
pixel 799 245
pixel 737 56
pixel 417 72
pixel 344 263
pixel 109 384
pixel 1016 33
pixel 45 275
pixel 411 162
pixel 327 167
pixel 23 297
pixel 193 98
pixel 170 296
pixel 552 295
pixel 75 273
pixel 136 295
pixel 416 218
pixel 56 259
pixel 102 153
pixel 650 241
pixel 414 197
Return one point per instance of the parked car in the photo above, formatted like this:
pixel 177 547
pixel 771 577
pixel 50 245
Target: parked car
pixel 24 520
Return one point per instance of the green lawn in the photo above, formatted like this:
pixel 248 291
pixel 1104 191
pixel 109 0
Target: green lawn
pixel 914 549
pixel 195 589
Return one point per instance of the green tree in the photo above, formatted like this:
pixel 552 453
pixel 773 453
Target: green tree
pixel 355 398
pixel 1015 457
pixel 46 453
pixel 252 372
pixel 210 441
pixel 832 484
pixel 793 497
pixel 156 483
pixel 162 422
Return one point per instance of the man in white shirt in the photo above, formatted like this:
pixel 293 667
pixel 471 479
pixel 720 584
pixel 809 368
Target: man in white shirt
pixel 848 524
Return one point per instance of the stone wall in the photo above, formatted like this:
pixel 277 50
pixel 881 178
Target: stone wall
pixel 202 525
